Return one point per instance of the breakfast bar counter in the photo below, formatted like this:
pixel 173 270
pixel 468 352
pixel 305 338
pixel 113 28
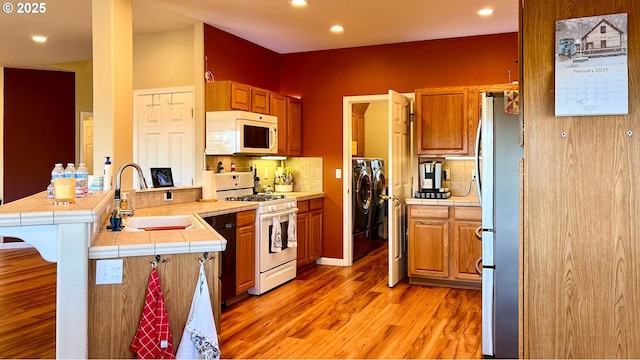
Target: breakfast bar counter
pixel 70 235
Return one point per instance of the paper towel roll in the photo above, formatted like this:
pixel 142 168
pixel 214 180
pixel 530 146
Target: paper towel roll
pixel 208 185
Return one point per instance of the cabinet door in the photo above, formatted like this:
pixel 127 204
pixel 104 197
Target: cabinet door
pixel 303 240
pixel 260 101
pixel 278 108
pixel 245 259
pixel 428 248
pixel 294 126
pixel 315 229
pixel 245 251
pixel 240 96
pixel 443 123
pixel 467 249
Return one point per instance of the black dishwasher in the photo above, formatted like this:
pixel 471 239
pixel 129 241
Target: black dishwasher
pixel 225 225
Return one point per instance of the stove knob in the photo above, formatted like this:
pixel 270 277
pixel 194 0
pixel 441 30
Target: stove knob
pixel 271 208
pixel 288 205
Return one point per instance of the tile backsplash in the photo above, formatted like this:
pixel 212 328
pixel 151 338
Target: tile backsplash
pixel 307 171
pixel 460 173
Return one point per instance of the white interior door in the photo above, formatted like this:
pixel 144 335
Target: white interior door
pixel 86 155
pixel 165 134
pixel 399 184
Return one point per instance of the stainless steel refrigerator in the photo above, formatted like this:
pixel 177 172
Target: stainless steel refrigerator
pixel 498 190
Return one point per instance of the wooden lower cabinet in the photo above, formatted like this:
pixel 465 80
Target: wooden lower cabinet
pixel 115 309
pixel 245 251
pixel 443 248
pixel 310 213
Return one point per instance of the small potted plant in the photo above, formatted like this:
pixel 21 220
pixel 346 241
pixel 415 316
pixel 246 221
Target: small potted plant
pixel 284 179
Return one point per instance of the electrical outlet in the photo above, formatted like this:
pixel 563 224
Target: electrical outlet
pixel 109 272
pixel 168 196
pixel 473 174
pixel 338 173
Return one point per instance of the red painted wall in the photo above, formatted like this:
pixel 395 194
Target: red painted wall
pixel 229 57
pixel 323 78
pixel 39 128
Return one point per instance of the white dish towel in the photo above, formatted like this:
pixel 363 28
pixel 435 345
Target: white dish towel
pixel 276 235
pixel 199 338
pixel 292 240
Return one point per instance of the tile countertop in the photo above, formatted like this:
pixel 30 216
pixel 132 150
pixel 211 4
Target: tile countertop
pixel 452 201
pixel 108 244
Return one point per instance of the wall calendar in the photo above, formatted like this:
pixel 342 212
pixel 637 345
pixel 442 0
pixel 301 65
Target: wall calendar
pixel 591 66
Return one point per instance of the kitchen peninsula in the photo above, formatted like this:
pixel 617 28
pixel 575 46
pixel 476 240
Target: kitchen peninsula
pixel 70 235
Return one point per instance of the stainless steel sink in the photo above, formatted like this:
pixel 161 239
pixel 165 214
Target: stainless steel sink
pixel 160 223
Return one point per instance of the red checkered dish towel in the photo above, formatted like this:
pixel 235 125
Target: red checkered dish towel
pixel 153 338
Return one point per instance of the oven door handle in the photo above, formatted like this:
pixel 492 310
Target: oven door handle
pixel 278 213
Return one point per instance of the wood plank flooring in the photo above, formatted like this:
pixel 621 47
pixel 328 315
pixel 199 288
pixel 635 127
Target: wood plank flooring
pixel 326 312
pixel 28 305
pixel 337 312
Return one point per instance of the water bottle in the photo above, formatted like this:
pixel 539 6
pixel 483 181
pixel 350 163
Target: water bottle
pixel 56 173
pixel 70 171
pixel 82 180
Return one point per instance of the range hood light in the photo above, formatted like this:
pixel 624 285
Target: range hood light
pixel 273 158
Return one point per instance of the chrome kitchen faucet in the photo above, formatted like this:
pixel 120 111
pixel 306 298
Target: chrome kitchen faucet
pixel 143 186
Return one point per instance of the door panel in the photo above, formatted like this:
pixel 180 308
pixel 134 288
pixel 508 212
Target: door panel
pixel 398 175
pixel 165 134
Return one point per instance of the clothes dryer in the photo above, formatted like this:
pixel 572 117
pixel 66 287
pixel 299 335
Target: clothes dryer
pixel 379 212
pixel 362 210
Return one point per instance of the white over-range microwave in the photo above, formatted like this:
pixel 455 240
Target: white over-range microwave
pixel 240 132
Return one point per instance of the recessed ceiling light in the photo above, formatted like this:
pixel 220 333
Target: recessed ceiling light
pixel 485 12
pixel 39 38
pixel 337 28
pixel 299 2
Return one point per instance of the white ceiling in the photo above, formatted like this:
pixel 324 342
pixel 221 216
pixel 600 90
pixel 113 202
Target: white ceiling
pixel 273 24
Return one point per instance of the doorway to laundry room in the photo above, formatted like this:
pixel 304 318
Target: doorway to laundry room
pixel 376 139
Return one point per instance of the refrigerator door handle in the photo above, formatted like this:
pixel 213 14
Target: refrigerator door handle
pixel 477 161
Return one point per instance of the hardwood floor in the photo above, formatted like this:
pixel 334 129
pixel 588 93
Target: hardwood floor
pixel 326 312
pixel 338 312
pixel 28 303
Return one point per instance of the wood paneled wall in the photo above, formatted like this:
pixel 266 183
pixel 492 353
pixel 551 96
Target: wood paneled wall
pixel 581 240
pixel 115 310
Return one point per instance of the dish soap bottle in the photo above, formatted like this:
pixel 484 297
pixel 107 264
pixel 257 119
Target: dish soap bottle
pixel 108 173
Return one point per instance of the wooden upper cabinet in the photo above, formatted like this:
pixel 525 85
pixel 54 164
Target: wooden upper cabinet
pixel 231 95
pixel 278 108
pixel 260 101
pixel 227 95
pixel 294 126
pixel 443 121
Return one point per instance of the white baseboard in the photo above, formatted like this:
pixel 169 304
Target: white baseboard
pixel 331 261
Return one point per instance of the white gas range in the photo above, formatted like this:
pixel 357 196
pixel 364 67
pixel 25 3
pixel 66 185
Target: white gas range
pixel 275 252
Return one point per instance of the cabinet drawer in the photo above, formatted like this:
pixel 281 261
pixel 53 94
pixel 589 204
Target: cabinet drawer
pixel 303 206
pixel 245 218
pixel 431 212
pixel 315 204
pixel 468 213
